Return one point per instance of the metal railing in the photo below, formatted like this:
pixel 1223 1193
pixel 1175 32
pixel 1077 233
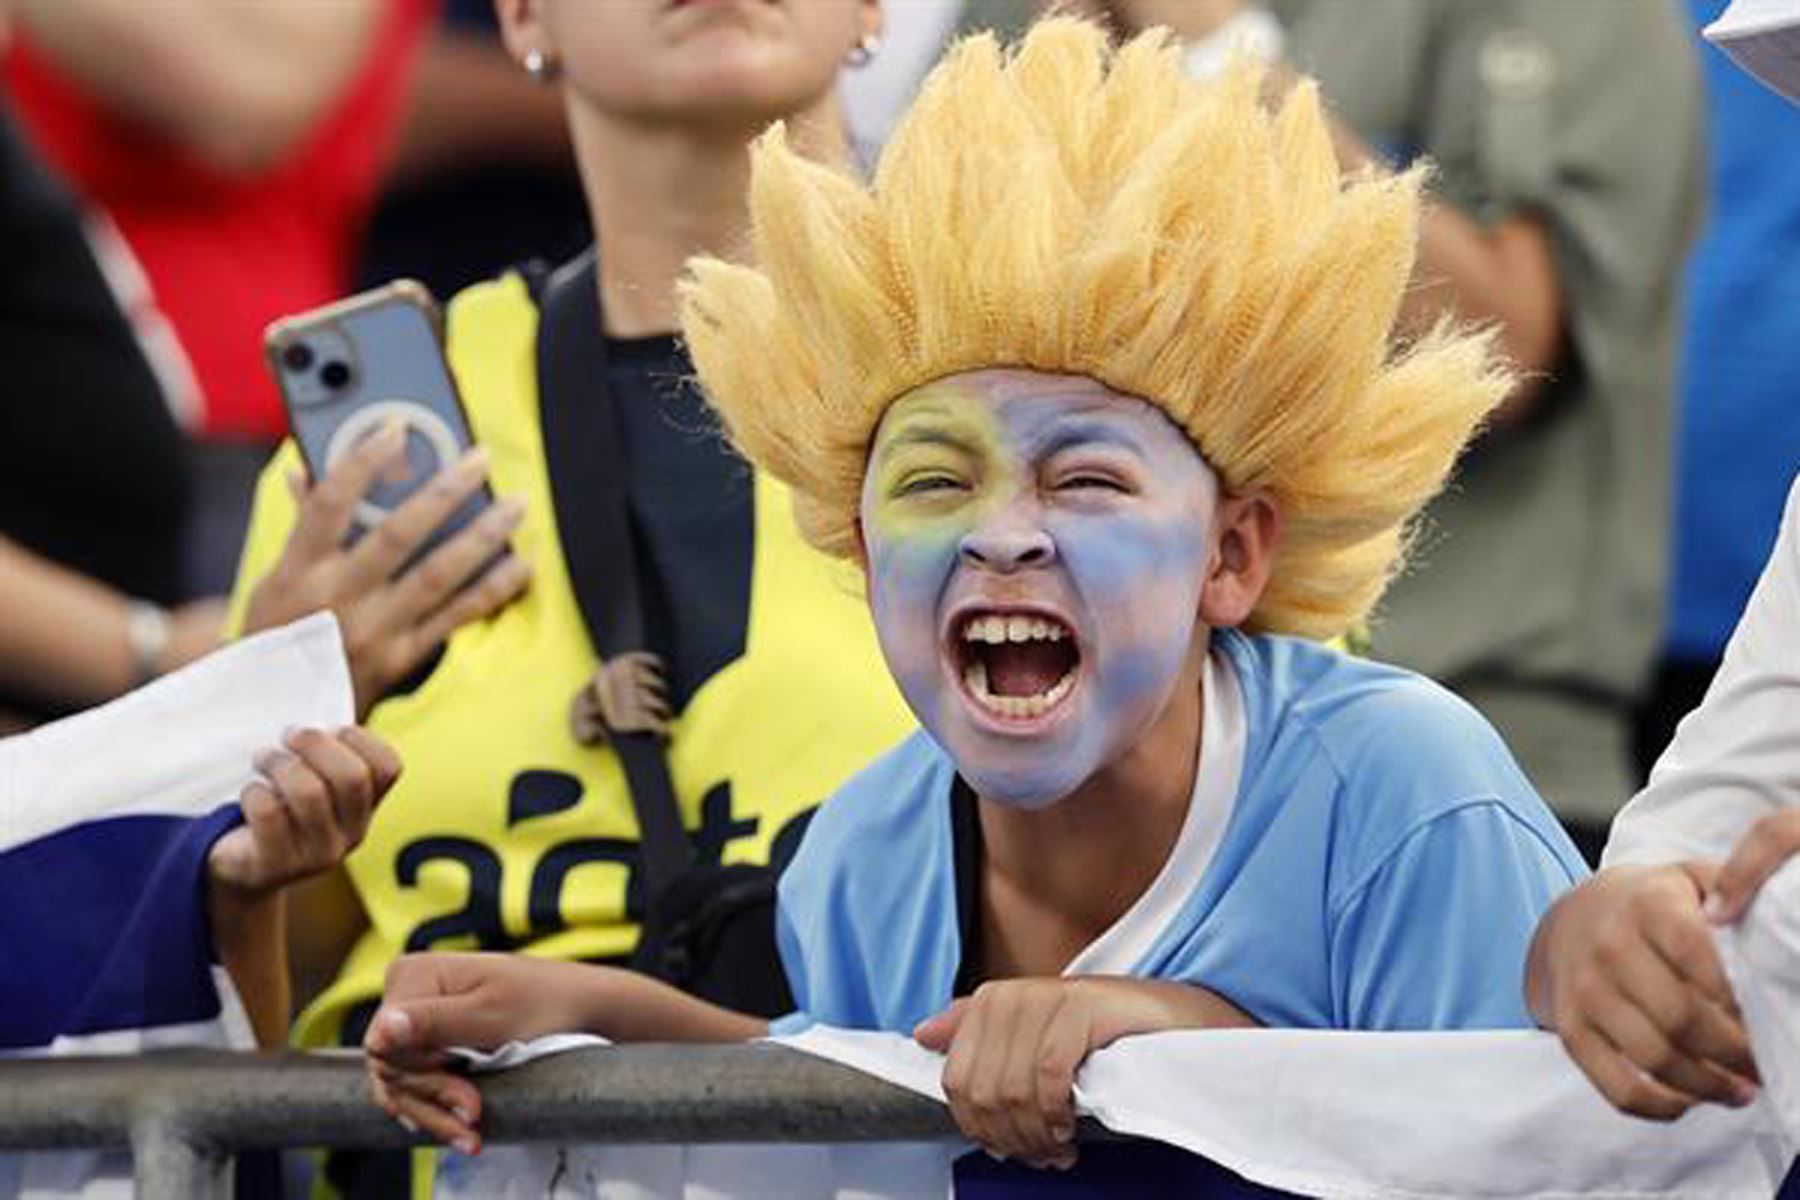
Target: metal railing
pixel 183 1114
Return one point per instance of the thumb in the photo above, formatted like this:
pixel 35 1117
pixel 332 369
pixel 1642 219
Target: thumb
pixel 232 859
pixel 937 1032
pixel 244 856
pixel 415 1033
pixel 422 1027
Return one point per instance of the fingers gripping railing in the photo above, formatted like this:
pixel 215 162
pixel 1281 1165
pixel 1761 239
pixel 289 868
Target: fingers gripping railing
pixel 184 1114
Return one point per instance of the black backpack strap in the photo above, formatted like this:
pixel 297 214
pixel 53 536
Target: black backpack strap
pixel 626 702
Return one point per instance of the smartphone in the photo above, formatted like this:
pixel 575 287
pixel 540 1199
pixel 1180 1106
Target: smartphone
pixel 346 370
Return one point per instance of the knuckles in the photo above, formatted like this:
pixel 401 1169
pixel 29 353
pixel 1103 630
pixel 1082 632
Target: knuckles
pixel 1660 1058
pixel 1016 1094
pixel 391 541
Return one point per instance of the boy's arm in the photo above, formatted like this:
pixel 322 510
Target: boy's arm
pixel 435 1001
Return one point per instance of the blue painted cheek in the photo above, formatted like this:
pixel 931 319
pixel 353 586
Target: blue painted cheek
pixel 908 574
pixel 907 578
pixel 1124 567
pixel 1139 581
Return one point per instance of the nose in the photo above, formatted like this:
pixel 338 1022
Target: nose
pixel 1009 540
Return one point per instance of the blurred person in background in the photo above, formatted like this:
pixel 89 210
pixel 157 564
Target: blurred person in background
pixel 93 485
pixel 1738 441
pixel 231 152
pixel 483 177
pixel 510 830
pixel 1566 147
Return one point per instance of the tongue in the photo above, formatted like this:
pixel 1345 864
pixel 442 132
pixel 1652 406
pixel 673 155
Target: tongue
pixel 1026 668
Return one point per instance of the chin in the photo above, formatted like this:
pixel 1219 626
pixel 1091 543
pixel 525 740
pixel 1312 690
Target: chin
pixel 1025 778
pixel 742 77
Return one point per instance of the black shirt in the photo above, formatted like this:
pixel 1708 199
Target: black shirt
pixel 92 470
pixel 683 484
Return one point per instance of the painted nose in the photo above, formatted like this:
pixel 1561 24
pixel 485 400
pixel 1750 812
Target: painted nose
pixel 1008 542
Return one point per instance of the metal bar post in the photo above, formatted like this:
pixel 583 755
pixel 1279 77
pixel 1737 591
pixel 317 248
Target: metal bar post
pixel 168 1163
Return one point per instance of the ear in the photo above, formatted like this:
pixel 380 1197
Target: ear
pixel 862 555
pixel 873 21
pixel 522 27
pixel 1249 527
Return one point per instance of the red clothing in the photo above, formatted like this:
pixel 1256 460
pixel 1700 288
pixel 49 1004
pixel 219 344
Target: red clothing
pixel 225 254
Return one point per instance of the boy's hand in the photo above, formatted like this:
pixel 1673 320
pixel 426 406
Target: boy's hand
pixel 311 808
pixel 435 1001
pixel 1624 969
pixel 1014 1047
pixel 390 624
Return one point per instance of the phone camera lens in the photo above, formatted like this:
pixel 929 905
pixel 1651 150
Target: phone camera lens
pixel 297 356
pixel 335 374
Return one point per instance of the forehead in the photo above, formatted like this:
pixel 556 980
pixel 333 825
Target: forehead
pixel 1029 412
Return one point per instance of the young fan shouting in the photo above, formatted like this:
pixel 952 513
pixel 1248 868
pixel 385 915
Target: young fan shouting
pixel 1097 381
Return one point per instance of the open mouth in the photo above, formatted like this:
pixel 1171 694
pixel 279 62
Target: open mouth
pixel 1016 666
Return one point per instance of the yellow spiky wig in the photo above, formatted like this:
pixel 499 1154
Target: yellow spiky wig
pixel 1072 210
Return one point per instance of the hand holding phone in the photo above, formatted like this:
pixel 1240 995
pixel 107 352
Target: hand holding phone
pixel 404 555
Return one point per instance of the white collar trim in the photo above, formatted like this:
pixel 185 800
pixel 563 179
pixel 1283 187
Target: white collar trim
pixel 1222 733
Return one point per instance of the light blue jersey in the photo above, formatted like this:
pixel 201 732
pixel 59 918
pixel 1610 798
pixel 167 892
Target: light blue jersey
pixel 1383 867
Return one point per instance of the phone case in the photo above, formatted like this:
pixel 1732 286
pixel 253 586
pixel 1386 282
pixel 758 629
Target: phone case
pixel 347 369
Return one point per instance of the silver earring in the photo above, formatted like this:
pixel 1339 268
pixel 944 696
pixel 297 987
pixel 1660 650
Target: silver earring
pixel 540 66
pixel 863 53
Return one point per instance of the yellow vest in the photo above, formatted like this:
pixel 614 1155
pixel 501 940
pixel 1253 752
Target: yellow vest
pixel 503 831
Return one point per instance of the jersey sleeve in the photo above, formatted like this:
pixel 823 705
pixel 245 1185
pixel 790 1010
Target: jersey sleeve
pixel 272 517
pixel 1434 937
pixel 1736 758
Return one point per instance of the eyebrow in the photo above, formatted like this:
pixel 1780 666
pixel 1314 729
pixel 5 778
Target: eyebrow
pixel 918 434
pixel 1082 433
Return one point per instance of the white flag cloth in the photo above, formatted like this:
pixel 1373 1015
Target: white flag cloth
pixel 1356 1116
pixel 109 814
pixel 1762 957
pixel 180 746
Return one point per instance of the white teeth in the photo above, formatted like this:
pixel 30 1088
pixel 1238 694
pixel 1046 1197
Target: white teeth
pixel 1022 707
pixel 996 630
pixel 976 680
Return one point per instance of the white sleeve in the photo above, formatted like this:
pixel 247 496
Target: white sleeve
pixel 1736 757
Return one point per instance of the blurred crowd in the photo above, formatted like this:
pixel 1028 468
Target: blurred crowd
pixel 1609 198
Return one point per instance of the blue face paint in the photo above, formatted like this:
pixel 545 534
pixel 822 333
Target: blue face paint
pixel 1036 548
